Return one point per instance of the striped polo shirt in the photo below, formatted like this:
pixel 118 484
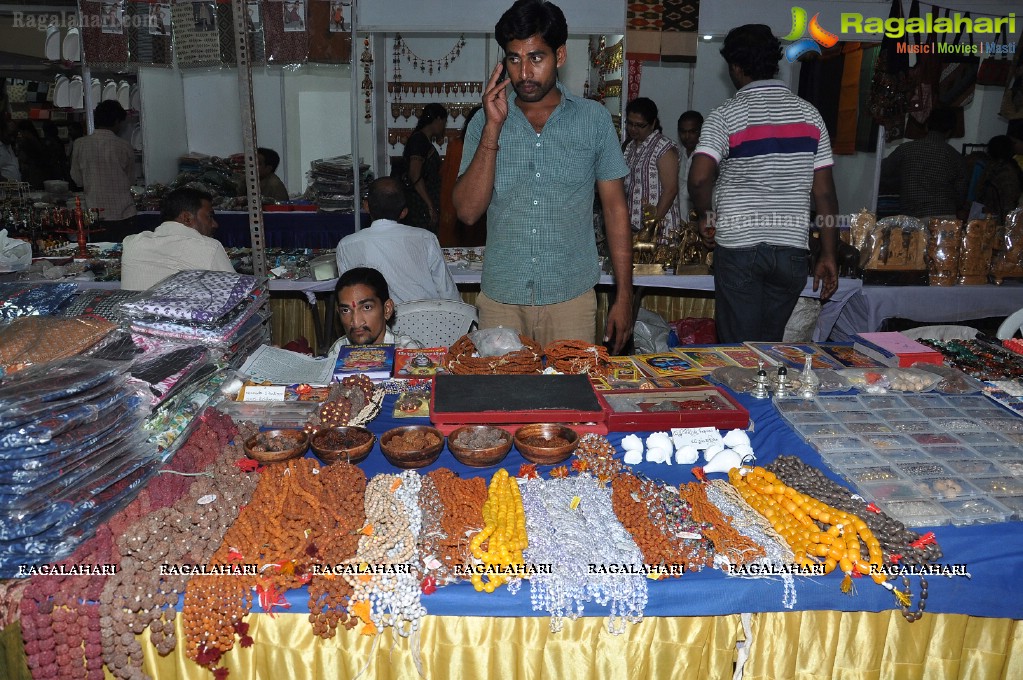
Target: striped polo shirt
pixel 541 247
pixel 768 142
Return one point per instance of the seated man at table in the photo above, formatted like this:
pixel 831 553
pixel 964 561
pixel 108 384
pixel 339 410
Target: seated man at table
pixel 410 258
pixel 366 309
pixel 182 242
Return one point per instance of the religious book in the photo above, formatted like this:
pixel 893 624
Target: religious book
pixel 741 355
pixel 793 355
pixel 419 363
pixel 663 364
pixel 849 357
pixel 623 369
pixel 412 405
pixel 707 358
pixel 375 361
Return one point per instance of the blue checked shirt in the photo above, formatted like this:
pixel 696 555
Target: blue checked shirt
pixel 541 247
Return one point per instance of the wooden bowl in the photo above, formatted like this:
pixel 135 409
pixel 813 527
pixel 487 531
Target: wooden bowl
pixel 277 456
pixel 486 457
pixel 545 455
pixel 411 459
pixel 352 454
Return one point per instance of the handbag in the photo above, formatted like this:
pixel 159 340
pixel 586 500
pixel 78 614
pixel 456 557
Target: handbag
pixel 1012 98
pixel 958 79
pixel 996 70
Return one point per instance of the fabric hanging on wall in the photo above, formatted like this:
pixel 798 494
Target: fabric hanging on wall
pixel 1012 98
pixel 104 34
pixel 635 70
pixel 866 128
pixel 889 86
pixel 643 24
pixel 844 141
pixel 286 42
pixel 330 42
pixel 196 42
pixel 820 83
pixel 681 27
pixel 152 45
pixel 225 27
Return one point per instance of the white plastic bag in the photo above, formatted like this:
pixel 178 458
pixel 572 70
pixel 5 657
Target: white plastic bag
pixel 15 254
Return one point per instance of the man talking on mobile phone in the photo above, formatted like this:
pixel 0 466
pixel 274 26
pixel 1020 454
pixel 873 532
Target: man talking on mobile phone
pixel 531 163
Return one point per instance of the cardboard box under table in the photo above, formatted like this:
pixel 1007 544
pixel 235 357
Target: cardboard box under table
pixel 509 401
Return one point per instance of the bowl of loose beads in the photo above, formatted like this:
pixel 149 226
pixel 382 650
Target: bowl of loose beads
pixel 546 443
pixel 412 446
pixel 277 445
pixel 350 444
pixel 479 445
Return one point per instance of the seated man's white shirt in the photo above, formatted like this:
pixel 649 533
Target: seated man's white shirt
pixel 410 259
pixel 152 256
pixel 402 341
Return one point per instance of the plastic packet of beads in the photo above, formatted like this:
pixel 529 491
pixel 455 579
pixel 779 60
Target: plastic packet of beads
pixel 786 406
pixel 839 460
pixel 934 438
pixel 922 469
pixel 918 513
pixel 879 402
pixel 838 443
pixel 869 427
pixel 950 451
pixel 952 380
pixel 967 511
pixel 1014 504
pixel 896 456
pixel 820 430
pixel 982 438
pixel 809 418
pixel 884 491
pixel 886 441
pixel 1002 425
pixel 735 378
pixel 977 467
pixel 1001 485
pixel 833 404
pixel 962 424
pixel 831 381
pixel 911 426
pixel 856 417
pixel 868 474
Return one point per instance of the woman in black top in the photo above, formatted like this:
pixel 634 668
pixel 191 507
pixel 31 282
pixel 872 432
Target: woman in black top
pixel 422 163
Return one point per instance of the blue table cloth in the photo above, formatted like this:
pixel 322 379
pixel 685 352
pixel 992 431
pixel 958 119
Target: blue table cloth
pixel 993 554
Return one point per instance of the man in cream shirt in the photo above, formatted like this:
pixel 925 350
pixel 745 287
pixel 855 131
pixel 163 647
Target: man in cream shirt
pixel 181 243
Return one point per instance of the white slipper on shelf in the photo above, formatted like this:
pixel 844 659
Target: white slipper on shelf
pixel 61 96
pixel 51 46
pixel 109 90
pixel 72 45
pixel 76 93
pixel 97 91
pixel 124 95
pixel 134 98
pixel 136 137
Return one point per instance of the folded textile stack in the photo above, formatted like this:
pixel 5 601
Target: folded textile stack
pixel 332 181
pixel 32 340
pixel 223 311
pixel 72 453
pixel 33 299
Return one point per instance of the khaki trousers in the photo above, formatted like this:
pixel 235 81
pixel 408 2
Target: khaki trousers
pixel 574 319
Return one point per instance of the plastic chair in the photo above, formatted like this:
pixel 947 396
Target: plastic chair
pixel 1012 323
pixel 434 323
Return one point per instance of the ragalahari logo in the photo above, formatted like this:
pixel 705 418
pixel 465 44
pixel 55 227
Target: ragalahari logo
pixel 819 37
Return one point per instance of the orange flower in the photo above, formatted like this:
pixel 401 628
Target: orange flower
pixel 580 465
pixel 527 471
pixel 559 472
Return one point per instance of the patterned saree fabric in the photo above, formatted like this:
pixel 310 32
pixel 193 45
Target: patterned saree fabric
pixel 28 299
pixel 193 296
pixel 40 339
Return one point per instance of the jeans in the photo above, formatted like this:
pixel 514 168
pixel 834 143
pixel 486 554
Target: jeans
pixel 756 289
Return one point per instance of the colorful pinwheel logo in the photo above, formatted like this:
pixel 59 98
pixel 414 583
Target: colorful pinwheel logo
pixel 819 37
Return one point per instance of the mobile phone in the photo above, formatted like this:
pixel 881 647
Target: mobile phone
pixel 504 73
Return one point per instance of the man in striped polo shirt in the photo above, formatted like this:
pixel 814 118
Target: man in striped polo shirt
pixel 762 155
pixel 531 163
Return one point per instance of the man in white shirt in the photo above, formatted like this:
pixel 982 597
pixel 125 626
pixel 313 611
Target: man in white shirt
pixel 409 258
pixel 689 125
pixel 181 243
pixel 366 310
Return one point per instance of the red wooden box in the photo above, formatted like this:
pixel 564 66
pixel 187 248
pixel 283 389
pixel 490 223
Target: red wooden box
pixel 649 410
